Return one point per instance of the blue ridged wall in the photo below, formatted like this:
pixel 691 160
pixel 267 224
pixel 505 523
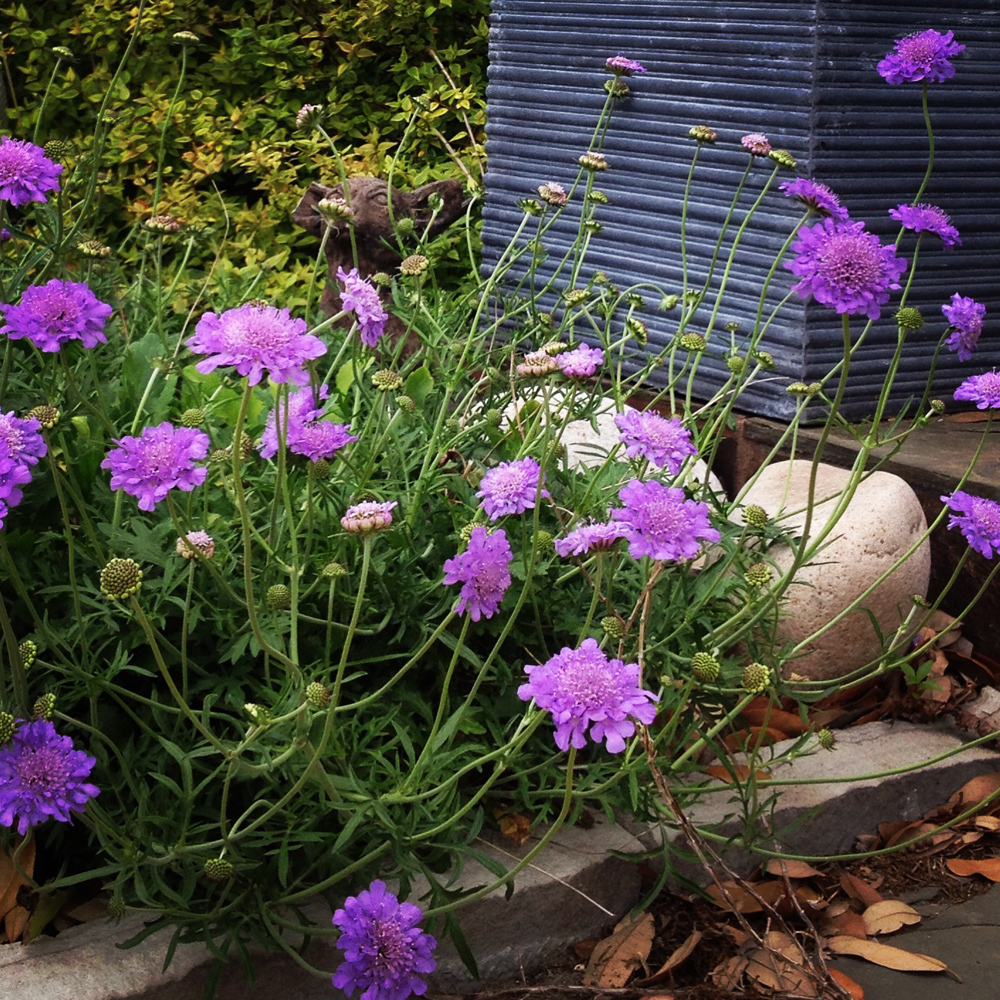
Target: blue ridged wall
pixel 804 74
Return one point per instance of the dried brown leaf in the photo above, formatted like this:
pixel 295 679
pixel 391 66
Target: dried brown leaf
pixel 990 867
pixel 739 900
pixel 516 827
pixel 15 922
pixel 617 957
pixel 845 982
pixel 888 916
pixel 727 975
pixel 677 957
pixel 846 921
pixel 10 880
pixel 775 972
pixel 790 868
pixel 979 788
pixel 885 955
pixel 858 889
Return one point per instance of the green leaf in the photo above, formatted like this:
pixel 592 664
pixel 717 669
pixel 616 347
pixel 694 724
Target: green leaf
pixel 345 377
pixel 418 385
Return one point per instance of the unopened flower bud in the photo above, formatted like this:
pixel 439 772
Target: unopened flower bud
pixel 574 296
pixel 335 210
pixel 194 542
pixel 45 706
pixel 693 342
pixel 57 149
pixel 278 597
pixel 764 359
pixel 705 668
pixel 826 739
pixel 703 133
pixel 28 651
pixel 185 37
pixel 258 713
pixel 309 116
pixel 406 403
pixel 617 88
pixel 542 540
pixel 757 574
pixel 613 626
pixel 593 161
pixel 93 248
pixel 319 470
pixel 636 329
pixel 413 265
pixel 218 870
pixel 387 380
pixel 798 389
pixel 592 226
pixel 6 727
pixel 193 417
pixel 554 194
pixel 554 347
pixel 669 302
pixel 909 318
pixel 599 197
pixel 381 280
pixel 754 516
pixel 333 571
pixel 405 226
pixel 530 206
pixel 318 695
pixel 736 364
pixel 116 907
pixel 937 405
pixel 756 678
pixel 783 158
pixel 756 144
pixel 163 224
pixel 493 418
pixel 63 53
pixel 47 416
pixel 120 579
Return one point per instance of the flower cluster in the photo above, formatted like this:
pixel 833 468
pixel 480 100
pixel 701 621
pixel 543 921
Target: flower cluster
pixel 21 446
pixel 162 458
pixel 978 520
pixel 927 219
pixel 385 952
pixel 42 776
pixel 583 689
pixel 580 362
pixel 756 144
pixel 511 488
pixel 589 537
pixel 815 196
pixel 661 522
pixel 361 298
pixel 26 173
pixel 483 569
pixel 368 516
pixel 983 390
pixel 843 266
pixel 660 441
pixel 305 434
pixel 621 66
pixel 925 55
pixel 256 339
pixel 55 313
pixel 965 320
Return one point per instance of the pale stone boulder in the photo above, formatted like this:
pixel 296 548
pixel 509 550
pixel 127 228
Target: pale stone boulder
pixel 883 520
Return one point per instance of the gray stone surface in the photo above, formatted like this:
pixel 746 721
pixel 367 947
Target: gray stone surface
pixel 881 523
pixel 574 891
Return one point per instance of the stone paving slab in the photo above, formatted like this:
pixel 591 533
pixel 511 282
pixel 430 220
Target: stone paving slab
pixel 575 891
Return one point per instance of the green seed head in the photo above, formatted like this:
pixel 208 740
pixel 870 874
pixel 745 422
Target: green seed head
pixel 387 380
pixel 758 574
pixel 764 359
pixel 756 678
pixel 45 706
pixel 28 651
pixel 937 405
pixel 406 403
pixel 193 417
pixel 909 318
pixel 613 626
pixel 754 516
pixel 493 418
pixel 278 597
pixel 319 470
pixel 47 416
pixel 783 158
pixel 6 727
pixel 736 364
pixel 405 226
pixel 826 739
pixel 705 668
pixel 57 149
pixel 703 133
pixel 116 907
pixel 318 695
pixel 120 579
pixel 693 342
pixel 219 870
pixel 332 571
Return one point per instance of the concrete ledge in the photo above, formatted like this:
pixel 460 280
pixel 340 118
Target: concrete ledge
pixel 575 890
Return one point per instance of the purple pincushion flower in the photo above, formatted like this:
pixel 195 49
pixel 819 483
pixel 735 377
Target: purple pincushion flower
pixel 26 173
pixel 483 569
pixel 983 390
pixel 361 298
pixel 621 66
pixel 927 219
pixel 41 777
pixel 661 523
pixel 162 458
pixel 510 488
pixel 385 952
pixel 306 433
pixel 368 516
pixel 21 446
pixel 965 318
pixel 589 537
pixel 978 519
pixel 55 313
pixel 581 362
pixel 756 144
pixel 648 435
pixel 256 339
pixel 924 55
pixel 845 267
pixel 816 196
pixel 584 689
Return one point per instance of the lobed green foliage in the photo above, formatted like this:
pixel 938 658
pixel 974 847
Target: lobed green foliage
pixel 230 160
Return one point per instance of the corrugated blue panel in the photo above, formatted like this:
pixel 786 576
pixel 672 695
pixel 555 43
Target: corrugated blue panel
pixel 804 74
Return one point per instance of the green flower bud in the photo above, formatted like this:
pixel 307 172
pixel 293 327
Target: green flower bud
pixel 783 158
pixel 381 280
pixel 758 574
pixel 219 870
pixel 260 715
pixel 756 678
pixel 44 707
pixel 530 206
pixel 320 470
pixel 278 597
pixel 669 302
pixel 736 364
pixel 193 417
pixel 57 149
pixel 543 540
pixel 693 342
pixel 387 380
pixel 754 516
pixel 121 579
pixel 318 695
pixel 826 739
pixel 575 296
pixel 937 405
pixel 636 329
pixel 703 133
pixel 493 418
pixel 47 416
pixel 599 197
pixel 909 318
pixel 93 248
pixel 6 727
pixel 764 359
pixel 705 667
pixel 613 626
pixel 406 403
pixel 62 52
pixel 405 226
pixel 116 907
pixel 28 651
pixel 617 87
pixel 333 570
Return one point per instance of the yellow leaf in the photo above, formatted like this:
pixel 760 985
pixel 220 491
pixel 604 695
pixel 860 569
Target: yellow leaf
pixel 888 916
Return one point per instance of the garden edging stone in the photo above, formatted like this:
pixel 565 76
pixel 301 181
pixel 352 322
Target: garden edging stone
pixel 555 903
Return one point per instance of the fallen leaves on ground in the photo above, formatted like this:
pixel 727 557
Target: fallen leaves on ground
pixel 886 955
pixel 616 958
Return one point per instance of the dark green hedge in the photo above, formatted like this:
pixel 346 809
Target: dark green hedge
pixel 232 148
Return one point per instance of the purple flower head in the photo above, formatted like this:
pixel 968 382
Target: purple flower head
pixel 361 298
pixel 55 313
pixel 660 522
pixel 621 66
pixel 756 144
pixel 13 475
pixel 846 268
pixel 41 776
pixel 925 55
pixel 385 951
pixel 815 196
pixel 589 537
pixel 965 318
pixel 581 362
pixel 978 519
pixel 5 234
pixel 648 435
pixel 256 340
pixel 21 446
pixel 26 173
pixel 983 390
pixel 583 689
pixel 306 433
pixel 196 541
pixel 927 219
pixel 368 516
pixel 510 488
pixel 483 569
pixel 162 458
